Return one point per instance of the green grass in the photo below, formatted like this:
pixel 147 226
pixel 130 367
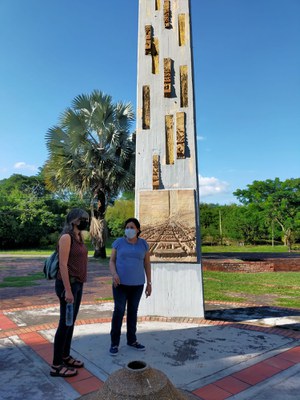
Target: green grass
pixel 278 288
pixel 21 281
pixel 104 299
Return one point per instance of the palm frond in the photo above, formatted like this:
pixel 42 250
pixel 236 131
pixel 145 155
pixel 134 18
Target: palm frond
pixel 92 146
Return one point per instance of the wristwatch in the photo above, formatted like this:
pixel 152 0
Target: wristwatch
pixel 149 283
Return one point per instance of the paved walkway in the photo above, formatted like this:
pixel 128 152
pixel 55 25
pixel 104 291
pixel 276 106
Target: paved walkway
pixel 237 352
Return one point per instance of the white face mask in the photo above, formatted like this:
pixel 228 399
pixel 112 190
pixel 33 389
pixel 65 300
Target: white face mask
pixel 130 233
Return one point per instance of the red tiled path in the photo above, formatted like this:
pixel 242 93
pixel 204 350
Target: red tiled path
pixel 247 377
pixel 85 382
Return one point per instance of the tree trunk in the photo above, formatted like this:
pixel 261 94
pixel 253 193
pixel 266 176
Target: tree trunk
pixel 98 232
pixel 100 253
pixel 98 229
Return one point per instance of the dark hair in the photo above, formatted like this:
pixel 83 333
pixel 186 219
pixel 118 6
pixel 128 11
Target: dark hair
pixel 136 223
pixel 72 216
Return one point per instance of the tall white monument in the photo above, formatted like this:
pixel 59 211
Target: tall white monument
pixel 167 193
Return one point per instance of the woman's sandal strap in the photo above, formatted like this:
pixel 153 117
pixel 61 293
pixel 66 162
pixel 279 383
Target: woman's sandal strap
pixel 72 362
pixel 68 372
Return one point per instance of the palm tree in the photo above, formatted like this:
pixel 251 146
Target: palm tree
pixel 92 152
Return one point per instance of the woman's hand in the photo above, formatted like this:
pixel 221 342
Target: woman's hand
pixel 148 290
pixel 69 296
pixel 116 280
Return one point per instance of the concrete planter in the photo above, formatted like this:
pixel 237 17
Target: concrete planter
pixel 138 381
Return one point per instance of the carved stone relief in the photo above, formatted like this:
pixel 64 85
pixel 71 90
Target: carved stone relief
pixel 181 29
pixel 155 172
pixel 152 48
pixel 169 128
pixel 155 56
pixel 167 77
pixel 148 39
pixel 167 14
pixel 168 220
pixel 180 134
pixel 146 107
pixel 183 86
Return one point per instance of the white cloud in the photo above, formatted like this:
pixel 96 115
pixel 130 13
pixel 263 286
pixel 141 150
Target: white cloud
pixel 200 138
pixel 210 186
pixel 27 167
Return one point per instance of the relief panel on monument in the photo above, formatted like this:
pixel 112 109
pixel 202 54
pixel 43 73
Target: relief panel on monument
pixel 169 129
pixel 146 107
pixel 148 39
pixel 180 134
pixel 167 14
pixel 181 30
pixel 183 86
pixel 168 221
pixel 151 48
pixel 155 172
pixel 155 56
pixel 167 77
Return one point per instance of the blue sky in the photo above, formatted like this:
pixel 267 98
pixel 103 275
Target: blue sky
pixel 246 69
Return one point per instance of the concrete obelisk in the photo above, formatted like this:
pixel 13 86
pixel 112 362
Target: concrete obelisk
pixel 166 191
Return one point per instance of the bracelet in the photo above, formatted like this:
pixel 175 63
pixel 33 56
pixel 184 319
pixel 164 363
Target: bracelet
pixel 149 283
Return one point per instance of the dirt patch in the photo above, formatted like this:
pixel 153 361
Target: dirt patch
pixel 97 287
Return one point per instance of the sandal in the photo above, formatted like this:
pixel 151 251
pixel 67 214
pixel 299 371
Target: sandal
pixel 72 362
pixel 63 371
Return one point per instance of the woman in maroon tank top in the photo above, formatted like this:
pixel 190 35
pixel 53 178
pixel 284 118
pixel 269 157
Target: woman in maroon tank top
pixel 73 256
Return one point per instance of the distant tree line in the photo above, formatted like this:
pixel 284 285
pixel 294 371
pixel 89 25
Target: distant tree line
pixel 269 213
pixel 32 216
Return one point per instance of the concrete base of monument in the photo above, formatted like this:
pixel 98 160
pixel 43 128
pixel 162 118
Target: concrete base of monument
pixel 177 291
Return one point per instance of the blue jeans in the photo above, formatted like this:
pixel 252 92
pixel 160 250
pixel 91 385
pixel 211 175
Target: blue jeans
pixel 64 333
pixel 130 295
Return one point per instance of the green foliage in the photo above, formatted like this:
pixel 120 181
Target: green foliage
pixel 269 212
pixel 91 149
pixel 92 153
pixel 209 222
pixel 277 202
pixel 117 214
pixel 26 215
pixel 30 215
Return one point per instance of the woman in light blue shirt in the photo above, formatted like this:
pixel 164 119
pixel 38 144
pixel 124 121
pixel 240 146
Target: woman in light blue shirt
pixel 129 265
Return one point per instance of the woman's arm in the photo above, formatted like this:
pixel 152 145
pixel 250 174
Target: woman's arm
pixel 64 251
pixel 113 269
pixel 147 265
